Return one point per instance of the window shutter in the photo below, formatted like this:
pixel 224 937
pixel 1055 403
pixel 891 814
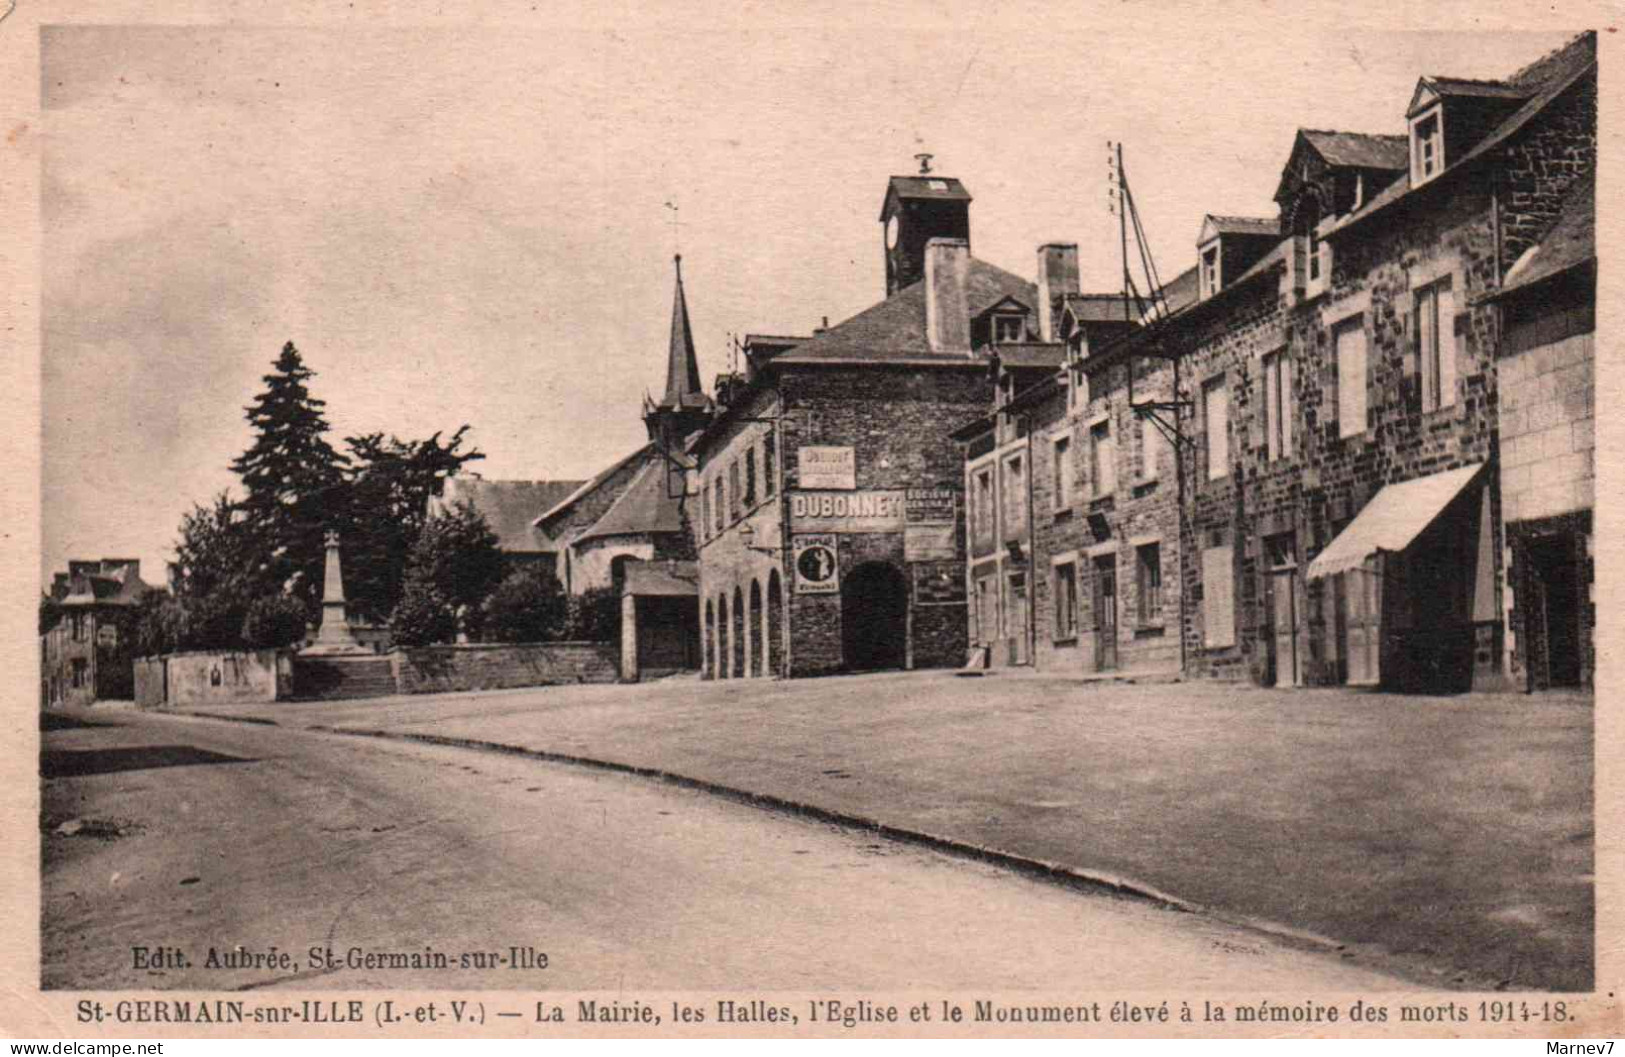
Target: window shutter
pixel 1218 598
pixel 1447 344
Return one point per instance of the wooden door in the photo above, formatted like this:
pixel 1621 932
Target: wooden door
pixel 1106 613
pixel 1284 611
pixel 1361 598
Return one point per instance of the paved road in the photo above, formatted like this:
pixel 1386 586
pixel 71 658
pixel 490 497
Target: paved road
pixel 233 834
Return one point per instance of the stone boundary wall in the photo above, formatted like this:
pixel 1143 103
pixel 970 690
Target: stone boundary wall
pixel 490 666
pixel 213 677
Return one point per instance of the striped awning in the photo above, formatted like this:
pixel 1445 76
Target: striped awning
pixel 1392 520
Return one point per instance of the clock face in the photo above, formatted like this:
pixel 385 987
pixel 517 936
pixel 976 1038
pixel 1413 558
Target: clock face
pixel 891 233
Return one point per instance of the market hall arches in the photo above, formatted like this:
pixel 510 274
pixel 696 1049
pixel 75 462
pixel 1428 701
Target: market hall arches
pixel 874 617
pixel 739 634
pixel 722 636
pixel 710 644
pixel 758 662
pixel 775 625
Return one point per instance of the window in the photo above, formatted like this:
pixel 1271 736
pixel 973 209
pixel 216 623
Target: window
pixel 705 510
pixel 1314 254
pixel 1216 428
pixel 1278 404
pixel 1428 146
pixel 733 490
pixel 1349 339
pixel 1015 497
pixel 1066 601
pixel 769 470
pixel 982 510
pixel 1218 598
pixel 78 629
pixel 1007 328
pixel 1152 445
pixel 1210 270
pixel 1063 473
pixel 721 505
pixel 1436 345
pixel 81 671
pixel 1148 563
pixel 750 476
pixel 1103 460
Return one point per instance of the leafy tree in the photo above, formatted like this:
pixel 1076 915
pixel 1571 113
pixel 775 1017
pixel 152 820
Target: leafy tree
pixel 423 616
pixel 293 479
pixel 162 625
pixel 529 605
pixel 454 566
pixel 391 483
pixel 595 616
pixel 274 621
pixel 220 568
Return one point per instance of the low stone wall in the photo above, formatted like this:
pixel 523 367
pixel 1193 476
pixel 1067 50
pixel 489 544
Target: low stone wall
pixel 488 666
pixel 212 677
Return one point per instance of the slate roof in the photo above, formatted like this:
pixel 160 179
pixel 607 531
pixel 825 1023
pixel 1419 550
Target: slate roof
pixel 1360 150
pixel 1225 225
pixel 683 388
pixel 120 585
pixel 1551 76
pixel 668 579
pixel 645 507
pixel 1097 308
pixel 893 331
pixel 509 507
pixel 1182 290
pixel 1028 353
pixel 944 188
pixel 587 488
pixel 1572 240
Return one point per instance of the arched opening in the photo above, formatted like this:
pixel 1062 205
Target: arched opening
pixel 758 663
pixel 708 648
pixel 874 617
pixel 739 634
pixel 775 626
pixel 722 633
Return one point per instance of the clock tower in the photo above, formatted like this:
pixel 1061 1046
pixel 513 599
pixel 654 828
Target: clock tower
pixel 916 210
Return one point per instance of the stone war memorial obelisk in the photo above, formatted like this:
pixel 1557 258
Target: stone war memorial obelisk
pixel 334 638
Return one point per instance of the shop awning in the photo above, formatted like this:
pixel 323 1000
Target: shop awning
pixel 1392 520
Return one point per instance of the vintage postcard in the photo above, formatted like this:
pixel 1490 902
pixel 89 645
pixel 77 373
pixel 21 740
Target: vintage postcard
pixel 810 521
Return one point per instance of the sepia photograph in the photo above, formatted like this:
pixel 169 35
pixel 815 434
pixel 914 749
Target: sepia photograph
pixel 818 523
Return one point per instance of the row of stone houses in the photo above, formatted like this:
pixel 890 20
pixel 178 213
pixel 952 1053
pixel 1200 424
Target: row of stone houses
pixel 1355 444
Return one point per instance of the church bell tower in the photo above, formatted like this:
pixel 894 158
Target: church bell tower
pixel 684 408
pixel 916 210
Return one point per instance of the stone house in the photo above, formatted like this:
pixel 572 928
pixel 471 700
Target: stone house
pixel 87 656
pixel 1344 418
pixel 831 529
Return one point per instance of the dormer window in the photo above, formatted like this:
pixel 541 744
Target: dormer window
pixel 1008 328
pixel 1427 146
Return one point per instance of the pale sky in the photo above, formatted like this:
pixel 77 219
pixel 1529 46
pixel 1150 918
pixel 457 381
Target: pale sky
pixel 468 225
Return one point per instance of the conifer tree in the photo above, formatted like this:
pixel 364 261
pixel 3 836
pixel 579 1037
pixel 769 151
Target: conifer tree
pixel 292 478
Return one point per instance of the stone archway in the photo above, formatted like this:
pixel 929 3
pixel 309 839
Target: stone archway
pixel 874 617
pixel 708 648
pixel 722 636
pixel 775 625
pixel 758 662
pixel 739 634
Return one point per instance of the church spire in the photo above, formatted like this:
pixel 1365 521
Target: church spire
pixel 684 408
pixel 683 387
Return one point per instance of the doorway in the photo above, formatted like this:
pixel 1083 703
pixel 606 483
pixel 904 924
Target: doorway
pixel 1281 554
pixel 1105 613
pixel 874 617
pixel 1553 621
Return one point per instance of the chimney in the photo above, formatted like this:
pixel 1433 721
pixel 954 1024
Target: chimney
pixel 1057 275
pixel 947 306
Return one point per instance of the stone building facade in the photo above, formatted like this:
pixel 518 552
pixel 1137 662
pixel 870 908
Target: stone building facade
pixel 1357 495
pixel 831 524
pixel 88 656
